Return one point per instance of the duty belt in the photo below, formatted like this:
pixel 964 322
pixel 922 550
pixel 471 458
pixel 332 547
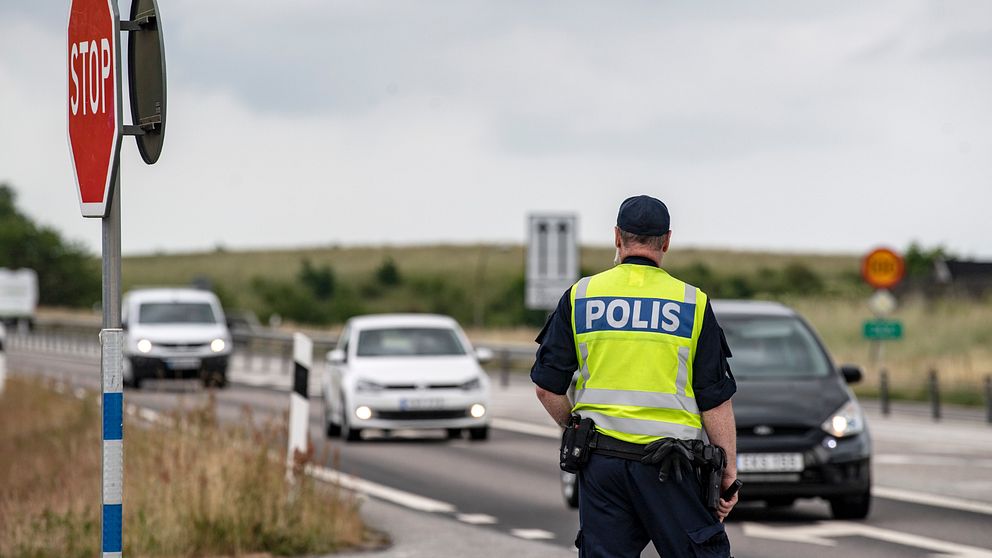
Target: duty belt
pixel 608 445
pixel 672 454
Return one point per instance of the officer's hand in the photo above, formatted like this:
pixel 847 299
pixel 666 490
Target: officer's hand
pixel 724 507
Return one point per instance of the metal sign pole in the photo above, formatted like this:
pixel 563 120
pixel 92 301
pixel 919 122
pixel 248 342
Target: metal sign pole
pixel 111 368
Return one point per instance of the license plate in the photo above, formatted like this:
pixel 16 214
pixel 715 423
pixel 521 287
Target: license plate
pixel 770 462
pixel 183 363
pixel 421 403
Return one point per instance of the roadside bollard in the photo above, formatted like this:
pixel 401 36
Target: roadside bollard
pixel 504 364
pixel 3 358
pixel 988 399
pixel 934 396
pixel 299 402
pixel 883 392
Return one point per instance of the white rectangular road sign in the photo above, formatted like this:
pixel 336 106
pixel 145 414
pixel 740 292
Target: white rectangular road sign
pixel 552 258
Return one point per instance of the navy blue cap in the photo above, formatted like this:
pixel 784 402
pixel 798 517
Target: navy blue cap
pixel 644 215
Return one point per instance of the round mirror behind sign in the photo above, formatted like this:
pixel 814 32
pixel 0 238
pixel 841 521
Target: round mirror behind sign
pixel 146 77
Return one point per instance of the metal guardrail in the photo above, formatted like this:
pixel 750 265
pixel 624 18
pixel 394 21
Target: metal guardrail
pixel 262 350
pixel 268 351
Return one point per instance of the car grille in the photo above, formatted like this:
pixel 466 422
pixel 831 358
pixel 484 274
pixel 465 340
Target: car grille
pixel 422 415
pixel 429 386
pixel 776 430
pixel 189 346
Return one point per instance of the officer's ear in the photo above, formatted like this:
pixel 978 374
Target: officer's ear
pixel 616 237
pixel 665 243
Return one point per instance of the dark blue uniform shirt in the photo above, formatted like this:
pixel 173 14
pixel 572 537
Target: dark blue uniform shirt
pixel 712 381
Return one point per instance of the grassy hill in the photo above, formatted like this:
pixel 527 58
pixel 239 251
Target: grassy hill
pixel 477 270
pixel 482 286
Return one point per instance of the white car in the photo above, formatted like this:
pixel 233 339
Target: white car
pixel 405 371
pixel 174 333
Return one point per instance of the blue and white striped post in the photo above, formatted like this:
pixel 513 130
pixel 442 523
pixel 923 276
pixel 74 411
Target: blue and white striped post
pixel 111 361
pixel 299 402
pixel 112 373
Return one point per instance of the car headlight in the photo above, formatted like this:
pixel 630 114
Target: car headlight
pixel 472 384
pixel 217 345
pixel 366 385
pixel 847 421
pixel 144 346
pixel 477 411
pixel 363 413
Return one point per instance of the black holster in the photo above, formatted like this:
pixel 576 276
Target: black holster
pixel 705 461
pixel 575 443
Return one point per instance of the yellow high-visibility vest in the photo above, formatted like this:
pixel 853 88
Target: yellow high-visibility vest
pixel 636 329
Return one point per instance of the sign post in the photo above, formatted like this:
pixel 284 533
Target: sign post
pixel 95 126
pixel 552 259
pixel 883 269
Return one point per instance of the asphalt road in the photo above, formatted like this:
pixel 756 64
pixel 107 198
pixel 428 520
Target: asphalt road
pixel 934 495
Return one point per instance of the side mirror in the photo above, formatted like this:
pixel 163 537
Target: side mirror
pixel 483 355
pixel 336 356
pixel 852 373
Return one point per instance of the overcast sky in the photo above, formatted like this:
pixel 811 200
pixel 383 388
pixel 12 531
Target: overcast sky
pixel 764 125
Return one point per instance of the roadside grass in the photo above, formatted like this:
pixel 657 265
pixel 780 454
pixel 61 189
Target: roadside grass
pixel 193 487
pixel 953 337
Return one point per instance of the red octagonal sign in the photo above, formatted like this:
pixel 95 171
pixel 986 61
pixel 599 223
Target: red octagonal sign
pixel 94 106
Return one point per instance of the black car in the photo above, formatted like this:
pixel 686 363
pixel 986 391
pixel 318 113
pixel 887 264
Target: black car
pixel 800 430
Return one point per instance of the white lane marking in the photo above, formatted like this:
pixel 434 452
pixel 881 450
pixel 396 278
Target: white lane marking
pixel 533 534
pixel 476 518
pixel 935 500
pixel 821 534
pixel 532 428
pixel 405 499
pixel 932 460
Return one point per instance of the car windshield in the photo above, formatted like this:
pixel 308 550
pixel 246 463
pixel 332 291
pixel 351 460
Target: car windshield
pixel 773 346
pixel 176 313
pixel 409 341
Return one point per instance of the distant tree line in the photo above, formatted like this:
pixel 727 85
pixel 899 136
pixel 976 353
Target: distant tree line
pixel 68 275
pixel 316 295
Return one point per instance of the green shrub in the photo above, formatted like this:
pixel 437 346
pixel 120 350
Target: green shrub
pixel 388 274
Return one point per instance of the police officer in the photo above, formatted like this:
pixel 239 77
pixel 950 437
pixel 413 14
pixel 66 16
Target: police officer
pixel 652 366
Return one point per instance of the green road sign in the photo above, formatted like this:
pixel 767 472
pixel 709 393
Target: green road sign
pixel 882 330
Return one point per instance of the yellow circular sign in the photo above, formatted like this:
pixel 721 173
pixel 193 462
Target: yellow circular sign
pixel 882 268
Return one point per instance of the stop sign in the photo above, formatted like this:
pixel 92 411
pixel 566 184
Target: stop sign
pixel 94 111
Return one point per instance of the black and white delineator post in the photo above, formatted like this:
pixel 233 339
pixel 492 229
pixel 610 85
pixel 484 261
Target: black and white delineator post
pixel 299 404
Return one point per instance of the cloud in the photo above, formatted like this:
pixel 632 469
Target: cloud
pixel 763 125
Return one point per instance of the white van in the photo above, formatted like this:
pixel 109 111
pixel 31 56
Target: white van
pixel 18 297
pixel 175 333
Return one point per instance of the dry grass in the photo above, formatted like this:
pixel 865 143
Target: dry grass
pixel 194 488
pixel 459 260
pixel 953 337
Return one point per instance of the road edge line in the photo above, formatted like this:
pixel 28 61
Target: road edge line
pixel 933 500
pixel 531 428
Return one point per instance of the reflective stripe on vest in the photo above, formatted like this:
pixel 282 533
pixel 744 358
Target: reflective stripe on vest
pixel 635 330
